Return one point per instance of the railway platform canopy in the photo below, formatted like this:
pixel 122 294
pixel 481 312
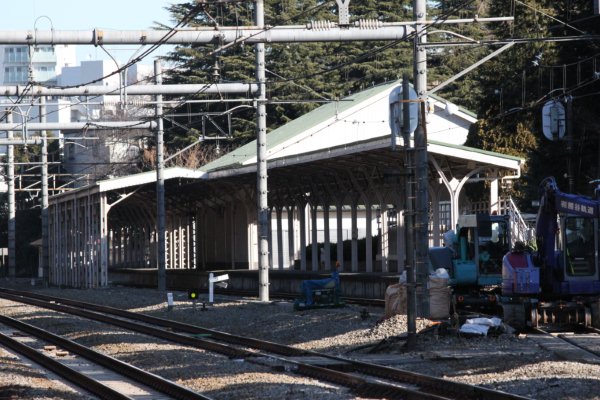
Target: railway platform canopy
pixel 336 191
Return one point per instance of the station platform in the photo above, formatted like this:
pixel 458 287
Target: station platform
pixel 357 285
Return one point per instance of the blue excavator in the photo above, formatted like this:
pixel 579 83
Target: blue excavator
pixel 555 284
pixel 472 254
pixel 558 284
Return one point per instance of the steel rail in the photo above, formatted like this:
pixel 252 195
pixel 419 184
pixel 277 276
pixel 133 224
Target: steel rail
pixel 570 341
pixel 82 381
pixel 428 385
pixel 359 385
pixel 154 381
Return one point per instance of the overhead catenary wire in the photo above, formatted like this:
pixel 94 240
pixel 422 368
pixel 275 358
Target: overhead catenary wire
pixel 356 59
pixel 191 14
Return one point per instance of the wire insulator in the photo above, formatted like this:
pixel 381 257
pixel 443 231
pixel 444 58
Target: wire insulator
pixel 368 23
pixel 319 25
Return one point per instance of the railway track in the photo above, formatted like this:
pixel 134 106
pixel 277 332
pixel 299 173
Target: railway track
pixel 291 296
pixel 82 380
pixel 363 378
pixel 579 347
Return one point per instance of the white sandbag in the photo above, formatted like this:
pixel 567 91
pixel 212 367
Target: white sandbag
pixel 395 300
pixel 439 302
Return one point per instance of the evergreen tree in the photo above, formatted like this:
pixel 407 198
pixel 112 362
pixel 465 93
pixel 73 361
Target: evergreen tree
pixel 516 85
pixel 299 75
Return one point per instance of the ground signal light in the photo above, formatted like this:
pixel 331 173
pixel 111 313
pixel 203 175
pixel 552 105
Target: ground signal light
pixel 193 294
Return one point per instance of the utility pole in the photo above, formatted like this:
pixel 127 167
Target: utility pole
pixel 421 171
pixel 409 216
pixel 43 268
pixel 11 201
pixel 570 173
pixel 261 161
pixel 160 185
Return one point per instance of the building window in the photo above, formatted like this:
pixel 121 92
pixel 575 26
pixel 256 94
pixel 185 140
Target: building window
pixel 15 74
pixel 43 73
pixel 44 49
pixel 16 54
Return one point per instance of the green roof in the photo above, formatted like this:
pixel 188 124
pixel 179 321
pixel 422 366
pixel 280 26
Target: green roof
pixel 241 155
pixel 297 126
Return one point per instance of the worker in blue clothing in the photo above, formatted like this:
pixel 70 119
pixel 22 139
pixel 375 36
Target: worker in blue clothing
pixel 327 283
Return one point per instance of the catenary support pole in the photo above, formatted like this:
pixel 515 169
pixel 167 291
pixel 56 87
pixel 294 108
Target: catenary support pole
pixel 409 217
pixel 160 185
pixel 261 163
pixel 43 268
pixel 11 203
pixel 422 210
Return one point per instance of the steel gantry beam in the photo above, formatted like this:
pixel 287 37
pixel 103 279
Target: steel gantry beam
pixel 324 32
pixel 316 31
pixel 137 90
pixel 52 126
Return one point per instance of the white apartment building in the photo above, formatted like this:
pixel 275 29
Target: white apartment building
pixel 96 107
pixel 57 66
pixel 110 152
pixel 45 63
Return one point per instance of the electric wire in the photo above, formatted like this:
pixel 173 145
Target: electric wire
pixel 186 18
pixel 367 54
pixel 200 7
pixel 172 32
pixel 353 61
pixel 537 10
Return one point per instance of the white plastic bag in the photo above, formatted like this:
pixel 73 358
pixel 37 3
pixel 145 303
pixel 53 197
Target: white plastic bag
pixel 475 328
pixel 490 322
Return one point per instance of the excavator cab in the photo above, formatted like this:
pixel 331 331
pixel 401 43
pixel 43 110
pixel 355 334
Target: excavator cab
pixel 578 261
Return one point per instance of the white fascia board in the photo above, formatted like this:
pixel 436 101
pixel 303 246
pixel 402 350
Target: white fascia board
pixel 147 177
pixel 324 154
pixel 465 154
pixel 440 109
pixel 73 194
pixel 466 117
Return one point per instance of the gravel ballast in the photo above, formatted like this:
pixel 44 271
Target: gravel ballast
pixel 514 364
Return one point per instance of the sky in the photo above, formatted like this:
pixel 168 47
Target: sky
pixel 84 15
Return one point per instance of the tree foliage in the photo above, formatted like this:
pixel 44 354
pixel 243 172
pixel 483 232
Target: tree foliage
pixel 516 85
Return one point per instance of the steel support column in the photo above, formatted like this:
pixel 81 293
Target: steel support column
pixel 326 238
pixel 291 241
pixel 354 233
pixel 302 217
pixel 339 212
pixel 279 216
